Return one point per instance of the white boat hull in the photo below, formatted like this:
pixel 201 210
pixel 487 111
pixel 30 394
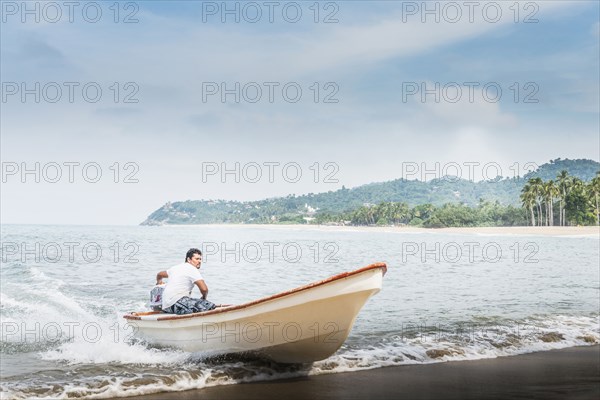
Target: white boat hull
pixel 303 325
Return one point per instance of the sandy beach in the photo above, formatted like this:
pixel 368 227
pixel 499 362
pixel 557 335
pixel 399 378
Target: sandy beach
pixel 571 373
pixel 491 230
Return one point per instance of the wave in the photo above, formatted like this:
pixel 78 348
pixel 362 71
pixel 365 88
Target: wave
pixel 105 369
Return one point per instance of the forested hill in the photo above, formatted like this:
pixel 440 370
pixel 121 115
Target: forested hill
pixel 293 209
pixel 582 169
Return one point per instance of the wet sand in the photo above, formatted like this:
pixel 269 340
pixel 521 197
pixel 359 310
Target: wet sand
pixel 572 373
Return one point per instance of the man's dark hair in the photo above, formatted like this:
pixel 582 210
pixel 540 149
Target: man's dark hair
pixel 191 253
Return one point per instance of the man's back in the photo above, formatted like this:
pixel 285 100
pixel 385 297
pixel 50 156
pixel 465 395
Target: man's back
pixel 181 282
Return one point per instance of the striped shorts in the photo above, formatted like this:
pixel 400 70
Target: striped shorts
pixel 188 305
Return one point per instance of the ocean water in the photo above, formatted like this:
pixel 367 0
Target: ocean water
pixel 445 298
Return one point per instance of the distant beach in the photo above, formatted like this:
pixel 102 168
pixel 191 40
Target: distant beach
pixel 591 231
pixel 572 373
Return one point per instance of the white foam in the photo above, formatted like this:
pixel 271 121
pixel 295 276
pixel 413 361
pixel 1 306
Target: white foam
pixel 181 371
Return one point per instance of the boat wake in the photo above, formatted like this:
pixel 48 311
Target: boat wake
pixel 100 370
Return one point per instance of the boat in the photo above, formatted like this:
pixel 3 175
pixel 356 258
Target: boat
pixel 302 325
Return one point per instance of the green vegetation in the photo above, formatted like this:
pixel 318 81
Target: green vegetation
pixel 577 202
pixel 444 202
pixel 429 216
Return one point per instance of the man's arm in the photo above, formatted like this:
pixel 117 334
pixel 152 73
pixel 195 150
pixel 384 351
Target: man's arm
pixel 160 276
pixel 203 288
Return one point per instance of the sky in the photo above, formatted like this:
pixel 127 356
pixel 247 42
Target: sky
pixel 108 112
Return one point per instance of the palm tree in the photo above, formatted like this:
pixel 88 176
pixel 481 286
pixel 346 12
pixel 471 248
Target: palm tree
pixel 371 215
pixel 549 191
pixel 563 180
pixel 537 186
pixel 576 202
pixel 402 213
pixel 594 190
pixel 528 199
pixel 359 216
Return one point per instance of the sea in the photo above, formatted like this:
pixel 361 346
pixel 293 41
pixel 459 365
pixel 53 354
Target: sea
pixel 446 297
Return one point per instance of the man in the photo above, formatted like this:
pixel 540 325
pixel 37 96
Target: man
pixel 182 278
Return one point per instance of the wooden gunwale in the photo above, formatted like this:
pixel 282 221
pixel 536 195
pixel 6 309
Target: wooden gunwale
pixel 167 317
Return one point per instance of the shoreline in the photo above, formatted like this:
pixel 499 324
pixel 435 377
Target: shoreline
pixel 570 373
pixel 589 231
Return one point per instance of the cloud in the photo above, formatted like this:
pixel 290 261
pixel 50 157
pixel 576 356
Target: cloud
pixel 457 108
pixel 24 55
pixel 368 133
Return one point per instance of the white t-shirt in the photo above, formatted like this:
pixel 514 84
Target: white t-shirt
pixel 180 284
